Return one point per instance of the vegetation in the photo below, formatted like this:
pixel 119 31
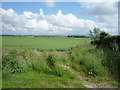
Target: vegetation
pixel 111 47
pixel 103 39
pixel 58 62
pixel 41 43
pixel 22 67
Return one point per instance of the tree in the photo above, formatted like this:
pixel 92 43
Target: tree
pixel 97 35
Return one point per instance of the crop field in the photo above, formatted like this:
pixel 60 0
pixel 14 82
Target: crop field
pixel 42 43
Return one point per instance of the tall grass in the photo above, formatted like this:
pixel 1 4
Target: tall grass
pixel 84 58
pixel 89 59
pixel 111 62
pixel 43 63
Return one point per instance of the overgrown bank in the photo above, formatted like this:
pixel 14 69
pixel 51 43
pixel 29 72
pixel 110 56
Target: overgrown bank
pixel 111 47
pixel 25 66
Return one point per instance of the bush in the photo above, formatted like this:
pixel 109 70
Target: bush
pixel 112 42
pixel 101 38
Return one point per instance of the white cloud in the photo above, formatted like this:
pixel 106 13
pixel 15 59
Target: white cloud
pixel 41 13
pixel 106 14
pixel 50 3
pixel 100 8
pixel 55 24
pixel 30 15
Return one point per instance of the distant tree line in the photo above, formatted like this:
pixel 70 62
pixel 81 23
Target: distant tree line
pixel 71 36
pixel 77 36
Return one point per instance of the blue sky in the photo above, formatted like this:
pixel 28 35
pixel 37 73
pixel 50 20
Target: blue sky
pixel 66 7
pixel 58 18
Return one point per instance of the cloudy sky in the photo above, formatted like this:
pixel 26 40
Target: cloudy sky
pixel 58 18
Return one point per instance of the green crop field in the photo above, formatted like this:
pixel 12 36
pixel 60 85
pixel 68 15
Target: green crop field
pixel 42 43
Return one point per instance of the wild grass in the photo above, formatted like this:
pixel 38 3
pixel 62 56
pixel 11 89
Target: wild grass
pixel 33 68
pixel 111 62
pixel 89 59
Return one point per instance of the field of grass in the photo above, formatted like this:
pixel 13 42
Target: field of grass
pixel 33 68
pixel 41 43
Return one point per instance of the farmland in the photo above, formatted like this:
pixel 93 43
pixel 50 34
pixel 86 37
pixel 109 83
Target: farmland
pixel 42 43
pixel 55 62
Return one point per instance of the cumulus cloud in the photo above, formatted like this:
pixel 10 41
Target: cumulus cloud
pixel 106 15
pixel 40 24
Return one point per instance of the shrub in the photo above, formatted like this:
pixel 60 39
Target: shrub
pixel 112 42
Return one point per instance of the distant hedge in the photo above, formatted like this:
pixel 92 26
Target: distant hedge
pixel 112 42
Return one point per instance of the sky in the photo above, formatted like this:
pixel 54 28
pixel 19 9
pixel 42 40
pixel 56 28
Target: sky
pixel 58 18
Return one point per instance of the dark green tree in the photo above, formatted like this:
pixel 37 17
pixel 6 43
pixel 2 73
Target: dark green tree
pixel 97 35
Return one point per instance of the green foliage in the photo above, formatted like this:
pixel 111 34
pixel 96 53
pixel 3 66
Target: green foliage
pixel 111 48
pixel 103 35
pixel 103 39
pixel 111 42
pixel 111 62
pixel 51 61
pixel 95 33
pixel 88 59
pixel 40 66
pixel 51 67
pixel 12 64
